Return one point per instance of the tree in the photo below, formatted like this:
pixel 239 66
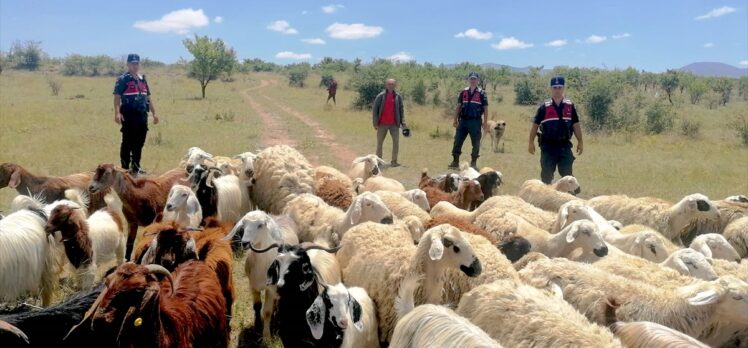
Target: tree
pixel 356 65
pixel 419 92
pixel 696 90
pixel 598 99
pixel 297 74
pixel 669 82
pixel 211 59
pixel 27 55
pixel 743 87
pixel 723 87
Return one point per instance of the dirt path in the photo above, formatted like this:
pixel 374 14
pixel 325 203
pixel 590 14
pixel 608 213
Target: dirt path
pixel 342 152
pixel 275 132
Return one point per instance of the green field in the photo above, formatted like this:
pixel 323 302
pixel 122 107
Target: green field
pixel 75 131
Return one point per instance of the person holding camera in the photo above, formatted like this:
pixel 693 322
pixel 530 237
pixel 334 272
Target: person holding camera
pixel 132 101
pixel 471 117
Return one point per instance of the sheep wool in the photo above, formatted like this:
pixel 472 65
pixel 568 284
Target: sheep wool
pixel 381 183
pixel 402 207
pixel 737 234
pixel 544 196
pixel 281 174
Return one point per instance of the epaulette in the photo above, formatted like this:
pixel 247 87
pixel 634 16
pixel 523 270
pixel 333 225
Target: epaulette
pixel 548 102
pixel 568 101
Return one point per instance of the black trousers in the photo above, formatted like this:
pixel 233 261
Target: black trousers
pixel 467 127
pixel 552 157
pixel 133 139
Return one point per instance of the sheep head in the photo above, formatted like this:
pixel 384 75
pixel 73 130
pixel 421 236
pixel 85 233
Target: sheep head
pixel 195 156
pixel 691 209
pixel 368 207
pixel 62 219
pixel 729 294
pixel 10 175
pixel 170 248
pixel 448 248
pixel 691 263
pixel 371 164
pixel 568 184
pixel 253 227
pixel 651 246
pixel 585 234
pixel 418 197
pixel 335 305
pixel 414 226
pixel 713 245
pixel 248 163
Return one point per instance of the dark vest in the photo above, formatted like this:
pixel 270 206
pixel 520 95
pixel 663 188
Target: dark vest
pixel 472 105
pixel 555 128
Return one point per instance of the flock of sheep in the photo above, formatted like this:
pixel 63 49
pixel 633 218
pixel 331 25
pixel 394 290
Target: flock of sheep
pixel 358 260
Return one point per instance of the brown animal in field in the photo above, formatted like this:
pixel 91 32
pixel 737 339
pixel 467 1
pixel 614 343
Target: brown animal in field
pixel 496 130
pixel 169 245
pixel 142 198
pixel 468 192
pixel 136 309
pixel 448 182
pixel 48 188
pixel 461 225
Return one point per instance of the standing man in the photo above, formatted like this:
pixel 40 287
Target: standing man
pixel 132 101
pixel 331 90
pixel 471 117
pixel 556 119
pixel 388 116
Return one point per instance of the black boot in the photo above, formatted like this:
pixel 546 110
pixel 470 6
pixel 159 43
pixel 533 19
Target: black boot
pixel 455 162
pixel 474 163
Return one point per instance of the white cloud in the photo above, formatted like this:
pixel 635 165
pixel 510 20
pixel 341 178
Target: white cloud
pixel 621 36
pixel 557 43
pixel 708 45
pixel 743 62
pixel 510 43
pixel 717 12
pixel 282 27
pixel 353 31
pixel 474 34
pixel 401 57
pixel 593 39
pixel 218 19
pixel 314 41
pixel 332 8
pixel 292 55
pixel 179 21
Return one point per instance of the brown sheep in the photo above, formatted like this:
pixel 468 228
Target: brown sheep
pixel 334 192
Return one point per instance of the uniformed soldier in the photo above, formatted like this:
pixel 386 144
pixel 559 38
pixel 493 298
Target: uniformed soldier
pixel 132 101
pixel 554 124
pixel 471 117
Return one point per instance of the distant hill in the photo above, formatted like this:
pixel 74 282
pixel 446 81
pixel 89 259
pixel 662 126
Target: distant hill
pixel 715 69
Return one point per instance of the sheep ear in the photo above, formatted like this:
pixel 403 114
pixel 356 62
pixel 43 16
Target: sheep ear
pixel 274 229
pixel 354 309
pixel 436 251
pixel 315 317
pixel 703 298
pixel 192 204
pixel 356 212
pixel 564 217
pixel 681 266
pixel 704 249
pixel 238 227
pixel 149 256
pixel 572 234
pixel 15 179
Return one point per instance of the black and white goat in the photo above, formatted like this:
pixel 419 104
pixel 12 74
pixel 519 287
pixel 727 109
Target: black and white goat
pixel 336 308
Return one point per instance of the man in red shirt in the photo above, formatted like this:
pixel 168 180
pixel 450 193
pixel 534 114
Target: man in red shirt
pixel 388 116
pixel 331 90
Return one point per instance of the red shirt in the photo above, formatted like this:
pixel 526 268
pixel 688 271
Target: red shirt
pixel 333 88
pixel 388 112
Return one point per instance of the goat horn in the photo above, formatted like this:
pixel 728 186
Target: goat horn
pixel 5 326
pixel 319 247
pixel 260 251
pixel 158 269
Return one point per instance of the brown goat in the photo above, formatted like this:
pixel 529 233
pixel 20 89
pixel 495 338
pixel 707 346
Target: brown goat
pixel 170 246
pixel 137 310
pixel 446 184
pixel 48 188
pixel 142 198
pixel 468 193
pixel 71 222
pixel 461 225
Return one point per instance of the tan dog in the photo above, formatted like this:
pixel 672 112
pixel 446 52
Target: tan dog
pixel 496 130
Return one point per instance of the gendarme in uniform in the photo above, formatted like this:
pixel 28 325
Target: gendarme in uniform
pixel 134 92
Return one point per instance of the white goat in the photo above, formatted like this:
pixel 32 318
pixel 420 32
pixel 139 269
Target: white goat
pixel 183 208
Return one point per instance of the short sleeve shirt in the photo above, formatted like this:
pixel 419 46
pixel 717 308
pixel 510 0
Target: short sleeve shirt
pixel 474 102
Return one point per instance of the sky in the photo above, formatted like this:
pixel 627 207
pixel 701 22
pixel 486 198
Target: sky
pixel 652 35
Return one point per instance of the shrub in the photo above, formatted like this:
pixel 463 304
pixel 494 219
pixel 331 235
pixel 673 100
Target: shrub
pixel 441 134
pixel 740 125
pixel 437 98
pixel 598 99
pixel 325 80
pixel 659 118
pixel 690 127
pixel 369 81
pixel 79 65
pixel 743 87
pixel 723 87
pixel 696 90
pixel 27 55
pixel 54 86
pixel 297 76
pixel 527 92
pixel 669 82
pixel 418 93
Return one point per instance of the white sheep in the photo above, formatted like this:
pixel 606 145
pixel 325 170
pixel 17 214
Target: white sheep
pixel 691 263
pixel 381 183
pixel 340 307
pixel 518 315
pixel 248 164
pixel 182 208
pixel 433 326
pixel 737 234
pixel 638 269
pixel 567 184
pixel 672 220
pixel 316 219
pixel 534 215
pixel 700 309
pixel 359 235
pixel 544 196
pixel 582 234
pixel 418 197
pixel 716 246
pixel 449 210
pixel 646 334
pixel 365 167
pixel 401 206
pixel 261 230
pixel 468 172
pixel 281 174
pixel 380 260
pixel 29 259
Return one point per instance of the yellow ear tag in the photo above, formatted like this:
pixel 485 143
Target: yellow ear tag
pixel 138 322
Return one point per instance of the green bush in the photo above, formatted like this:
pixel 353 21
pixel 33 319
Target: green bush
pixel 696 90
pixel 325 80
pixel 27 55
pixel 418 93
pixel 669 81
pixel 690 128
pixel 723 87
pixel 740 125
pixel 659 118
pixel 80 65
pixel 598 100
pixel 297 75
pixel 369 81
pixel 527 92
